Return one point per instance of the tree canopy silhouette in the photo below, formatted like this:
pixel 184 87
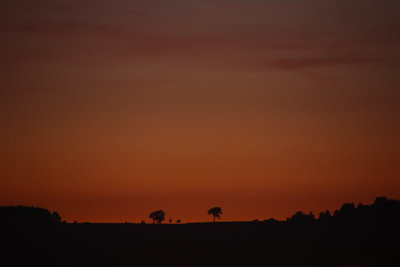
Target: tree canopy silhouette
pixel 300 217
pixel 157 216
pixel 215 212
pixel 27 215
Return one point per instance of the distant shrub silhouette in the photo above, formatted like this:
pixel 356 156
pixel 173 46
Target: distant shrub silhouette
pixel 178 221
pixel 215 212
pixel 157 216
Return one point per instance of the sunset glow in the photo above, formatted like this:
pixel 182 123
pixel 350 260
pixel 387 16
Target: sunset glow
pixel 113 109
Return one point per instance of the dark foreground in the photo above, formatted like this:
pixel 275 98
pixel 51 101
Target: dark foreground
pixel 362 236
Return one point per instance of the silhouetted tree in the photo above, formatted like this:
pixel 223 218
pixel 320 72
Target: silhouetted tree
pixel 300 217
pixel 347 208
pixel 27 215
pixel 157 216
pixel 215 212
pixel 325 216
pixel 55 217
pixel 271 220
pixel 178 221
pixel 170 220
pixel 346 211
pixel 381 201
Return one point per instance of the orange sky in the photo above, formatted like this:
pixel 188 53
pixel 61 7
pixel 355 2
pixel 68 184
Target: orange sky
pixel 115 109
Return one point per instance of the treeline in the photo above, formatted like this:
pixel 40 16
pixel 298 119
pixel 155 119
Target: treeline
pixel 21 215
pixel 382 209
pixel 353 235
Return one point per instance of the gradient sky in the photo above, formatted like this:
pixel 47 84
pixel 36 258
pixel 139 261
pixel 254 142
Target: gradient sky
pixel 113 109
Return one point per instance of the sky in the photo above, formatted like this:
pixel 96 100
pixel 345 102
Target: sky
pixel 110 110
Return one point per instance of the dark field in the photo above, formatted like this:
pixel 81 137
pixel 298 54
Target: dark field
pixel 353 236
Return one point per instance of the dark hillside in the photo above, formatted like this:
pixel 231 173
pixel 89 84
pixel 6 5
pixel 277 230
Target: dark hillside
pixel 353 236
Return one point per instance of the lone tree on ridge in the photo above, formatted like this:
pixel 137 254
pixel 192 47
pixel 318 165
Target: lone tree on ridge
pixel 215 212
pixel 157 216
